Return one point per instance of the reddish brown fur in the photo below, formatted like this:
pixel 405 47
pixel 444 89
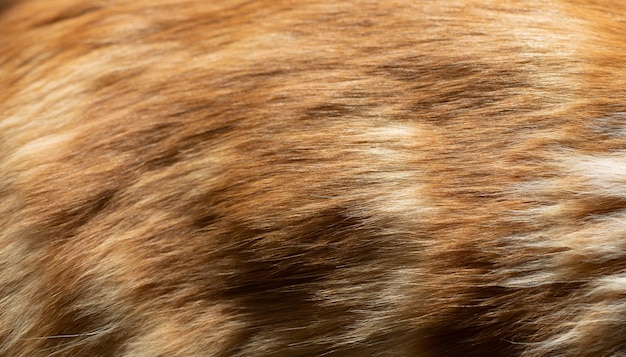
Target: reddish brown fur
pixel 291 178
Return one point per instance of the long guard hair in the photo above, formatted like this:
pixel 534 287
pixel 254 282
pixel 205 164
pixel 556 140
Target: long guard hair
pixel 312 178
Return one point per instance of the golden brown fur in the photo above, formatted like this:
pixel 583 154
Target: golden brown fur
pixel 308 178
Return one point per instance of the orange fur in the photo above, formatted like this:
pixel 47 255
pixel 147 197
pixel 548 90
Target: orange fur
pixel 291 178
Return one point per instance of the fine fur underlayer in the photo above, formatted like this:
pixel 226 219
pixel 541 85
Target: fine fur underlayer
pixel 312 178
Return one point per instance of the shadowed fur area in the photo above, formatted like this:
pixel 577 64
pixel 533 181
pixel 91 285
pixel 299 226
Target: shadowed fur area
pixel 312 178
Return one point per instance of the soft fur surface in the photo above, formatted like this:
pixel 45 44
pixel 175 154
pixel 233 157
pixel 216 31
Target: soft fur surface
pixel 312 178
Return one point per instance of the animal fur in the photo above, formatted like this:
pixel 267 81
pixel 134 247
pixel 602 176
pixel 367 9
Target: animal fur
pixel 312 178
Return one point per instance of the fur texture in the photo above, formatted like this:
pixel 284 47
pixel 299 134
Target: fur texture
pixel 312 178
